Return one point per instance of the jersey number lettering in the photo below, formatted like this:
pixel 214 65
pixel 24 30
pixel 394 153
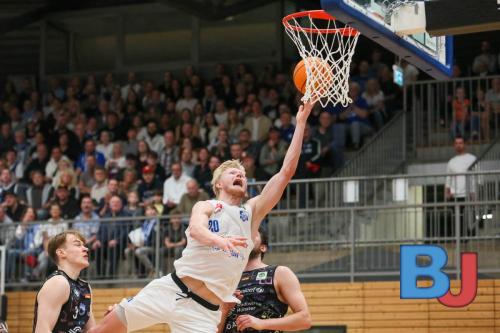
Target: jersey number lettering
pixel 213 225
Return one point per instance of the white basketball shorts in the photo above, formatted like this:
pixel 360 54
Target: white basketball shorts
pixel 162 301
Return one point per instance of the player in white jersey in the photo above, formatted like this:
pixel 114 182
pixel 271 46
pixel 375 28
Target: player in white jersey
pixel 220 238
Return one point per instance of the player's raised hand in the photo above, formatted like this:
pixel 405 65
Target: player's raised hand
pixel 305 111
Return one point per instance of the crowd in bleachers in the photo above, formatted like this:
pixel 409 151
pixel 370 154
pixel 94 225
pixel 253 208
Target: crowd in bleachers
pixel 83 149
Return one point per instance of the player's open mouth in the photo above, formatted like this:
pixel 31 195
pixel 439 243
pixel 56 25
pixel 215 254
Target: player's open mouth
pixel 238 182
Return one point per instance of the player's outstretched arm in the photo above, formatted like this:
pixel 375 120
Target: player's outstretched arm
pixel 272 192
pixel 289 292
pixel 52 296
pixel 198 229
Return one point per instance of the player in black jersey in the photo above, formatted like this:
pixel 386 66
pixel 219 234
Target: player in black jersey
pixel 64 303
pixel 265 293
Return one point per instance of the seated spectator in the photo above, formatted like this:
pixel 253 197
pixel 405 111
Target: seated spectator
pixel 236 151
pixel 105 146
pixel 187 132
pixel 23 253
pixel 461 113
pixel 188 101
pixel 14 165
pixel 53 164
pixel 272 153
pixel 192 196
pixel 234 125
pixel 63 166
pixel 141 242
pixel 21 145
pixel 37 163
pixel 258 124
pixel 132 84
pixel 485 62
pixel 44 232
pixel 169 153
pixel 356 116
pixel 309 162
pixel 68 148
pixel 221 114
pixel 100 187
pixel 67 203
pixel 13 207
pixel 363 75
pixel 133 207
pixel 247 146
pixel 38 195
pixel 112 238
pixel 209 99
pixel 154 139
pixel 113 189
pixel 374 98
pixel 90 149
pixel 129 182
pixel 87 222
pixel 174 238
pixel 174 187
pixel 149 185
pixel 152 163
pixel 86 178
pixel 220 146
pixel 6 137
pixel 286 127
pixel 7 229
pixel 331 149
pixel 8 184
pixel 142 151
pixel 202 172
pixel 116 162
pixel 187 161
pixel 130 144
pixel 209 129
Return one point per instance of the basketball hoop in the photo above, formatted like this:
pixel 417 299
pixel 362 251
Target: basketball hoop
pixel 334 46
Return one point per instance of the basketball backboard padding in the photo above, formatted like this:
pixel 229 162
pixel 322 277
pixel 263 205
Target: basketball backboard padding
pixel 434 56
pixel 456 17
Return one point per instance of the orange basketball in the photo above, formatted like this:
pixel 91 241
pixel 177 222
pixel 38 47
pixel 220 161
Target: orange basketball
pixel 317 66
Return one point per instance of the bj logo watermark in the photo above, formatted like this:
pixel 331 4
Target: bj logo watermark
pixel 410 272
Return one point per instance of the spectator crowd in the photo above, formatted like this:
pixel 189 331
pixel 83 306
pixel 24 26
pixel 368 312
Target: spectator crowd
pixel 83 150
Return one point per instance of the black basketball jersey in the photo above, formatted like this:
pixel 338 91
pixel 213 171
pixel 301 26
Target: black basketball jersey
pixel 76 311
pixel 260 298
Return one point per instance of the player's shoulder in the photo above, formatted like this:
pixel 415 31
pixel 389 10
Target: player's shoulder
pixel 55 287
pixel 204 206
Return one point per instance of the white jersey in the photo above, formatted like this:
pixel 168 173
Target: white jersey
pixel 219 270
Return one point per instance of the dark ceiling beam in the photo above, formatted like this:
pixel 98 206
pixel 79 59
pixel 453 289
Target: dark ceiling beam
pixel 22 20
pixel 212 12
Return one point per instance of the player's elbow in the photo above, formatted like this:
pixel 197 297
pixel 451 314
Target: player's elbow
pixel 287 171
pixel 306 320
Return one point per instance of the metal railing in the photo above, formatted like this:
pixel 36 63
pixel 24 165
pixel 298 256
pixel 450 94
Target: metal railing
pixel 383 154
pixel 344 235
pixel 490 159
pixel 433 113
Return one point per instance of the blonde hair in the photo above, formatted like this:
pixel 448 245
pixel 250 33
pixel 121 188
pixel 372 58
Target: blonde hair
pixel 220 170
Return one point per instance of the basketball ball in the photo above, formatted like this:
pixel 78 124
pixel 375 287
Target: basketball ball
pixel 317 66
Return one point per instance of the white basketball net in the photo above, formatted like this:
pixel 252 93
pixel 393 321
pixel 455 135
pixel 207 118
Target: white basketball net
pixel 327 53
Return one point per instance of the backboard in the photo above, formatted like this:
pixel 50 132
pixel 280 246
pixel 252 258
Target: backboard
pixel 433 55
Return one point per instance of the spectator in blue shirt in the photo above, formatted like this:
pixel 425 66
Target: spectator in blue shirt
pixel 89 149
pixel 356 116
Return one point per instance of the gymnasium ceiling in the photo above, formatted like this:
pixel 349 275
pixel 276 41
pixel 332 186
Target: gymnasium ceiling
pixel 17 14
